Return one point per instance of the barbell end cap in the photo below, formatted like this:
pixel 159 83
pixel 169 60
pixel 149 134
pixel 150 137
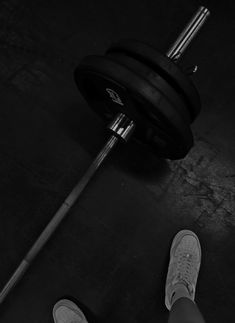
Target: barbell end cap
pixel 204 10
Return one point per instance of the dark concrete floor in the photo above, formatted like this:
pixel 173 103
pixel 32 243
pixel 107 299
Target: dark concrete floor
pixel 112 252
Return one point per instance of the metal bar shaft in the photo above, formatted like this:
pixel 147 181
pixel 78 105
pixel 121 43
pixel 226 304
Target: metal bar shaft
pixel 188 33
pixel 57 218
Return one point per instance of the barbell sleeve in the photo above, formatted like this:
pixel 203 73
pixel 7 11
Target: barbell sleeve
pixel 188 33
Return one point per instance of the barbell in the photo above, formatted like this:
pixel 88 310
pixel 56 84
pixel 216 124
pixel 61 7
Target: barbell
pixel 141 93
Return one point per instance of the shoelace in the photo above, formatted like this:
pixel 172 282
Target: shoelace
pixel 185 268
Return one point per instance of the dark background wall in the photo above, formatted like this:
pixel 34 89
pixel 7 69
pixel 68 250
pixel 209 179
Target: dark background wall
pixel 112 252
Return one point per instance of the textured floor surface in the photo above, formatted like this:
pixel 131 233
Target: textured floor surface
pixel 112 252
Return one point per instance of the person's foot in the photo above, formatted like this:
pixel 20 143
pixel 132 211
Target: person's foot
pixel 66 311
pixel 183 270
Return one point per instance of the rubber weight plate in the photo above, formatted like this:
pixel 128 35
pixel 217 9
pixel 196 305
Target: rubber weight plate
pixel 165 67
pixel 156 80
pixel 111 88
pixel 164 106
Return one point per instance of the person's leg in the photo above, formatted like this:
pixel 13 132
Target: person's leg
pixel 66 311
pixel 185 310
pixel 183 270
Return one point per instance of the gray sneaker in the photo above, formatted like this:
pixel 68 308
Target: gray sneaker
pixel 185 261
pixel 66 311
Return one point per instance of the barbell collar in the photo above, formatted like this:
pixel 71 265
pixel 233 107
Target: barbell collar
pixel 122 127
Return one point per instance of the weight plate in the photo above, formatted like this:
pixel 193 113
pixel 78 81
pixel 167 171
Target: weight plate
pixel 163 66
pixel 111 88
pixel 156 80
